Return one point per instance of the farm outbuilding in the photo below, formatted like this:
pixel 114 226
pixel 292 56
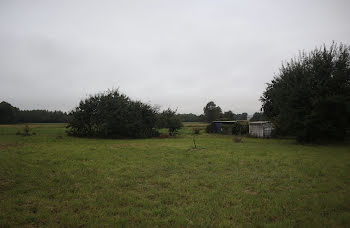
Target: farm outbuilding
pixel 260 129
pixel 231 127
pixel 218 125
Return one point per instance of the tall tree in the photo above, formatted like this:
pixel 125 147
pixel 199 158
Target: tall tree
pixel 212 112
pixel 310 97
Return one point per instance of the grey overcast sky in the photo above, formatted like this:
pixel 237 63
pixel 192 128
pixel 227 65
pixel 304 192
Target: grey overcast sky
pixel 177 54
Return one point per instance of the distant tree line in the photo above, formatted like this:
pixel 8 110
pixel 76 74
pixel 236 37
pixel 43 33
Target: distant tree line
pixel 11 115
pixel 190 117
pixel 213 112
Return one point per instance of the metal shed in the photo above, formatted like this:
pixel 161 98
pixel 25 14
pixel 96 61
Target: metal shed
pixel 260 129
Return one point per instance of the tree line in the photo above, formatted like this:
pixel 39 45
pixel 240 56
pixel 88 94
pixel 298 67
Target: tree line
pixel 211 112
pixel 112 114
pixel 11 115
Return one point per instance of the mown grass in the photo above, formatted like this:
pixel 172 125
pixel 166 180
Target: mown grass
pixel 50 179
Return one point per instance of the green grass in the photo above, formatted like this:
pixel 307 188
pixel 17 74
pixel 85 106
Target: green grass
pixel 50 179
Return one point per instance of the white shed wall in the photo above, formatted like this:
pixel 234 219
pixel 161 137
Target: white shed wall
pixel 260 130
pixel 256 130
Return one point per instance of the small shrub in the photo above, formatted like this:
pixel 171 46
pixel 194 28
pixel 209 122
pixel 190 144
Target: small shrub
pixel 194 142
pixel 173 132
pixel 26 130
pixel 210 128
pixel 196 131
pixel 237 139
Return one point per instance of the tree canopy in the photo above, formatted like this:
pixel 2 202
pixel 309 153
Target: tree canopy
pixel 8 113
pixel 229 115
pixel 258 116
pixel 212 112
pixel 169 119
pixel 310 97
pixel 190 117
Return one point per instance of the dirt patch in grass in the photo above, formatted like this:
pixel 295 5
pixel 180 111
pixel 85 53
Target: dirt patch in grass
pixel 8 145
pixel 250 192
pixel 5 184
pixel 163 136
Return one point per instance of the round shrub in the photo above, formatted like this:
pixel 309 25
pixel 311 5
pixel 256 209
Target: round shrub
pixel 112 115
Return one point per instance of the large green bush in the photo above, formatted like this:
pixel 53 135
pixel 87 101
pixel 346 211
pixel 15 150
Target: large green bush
pixel 112 115
pixel 310 97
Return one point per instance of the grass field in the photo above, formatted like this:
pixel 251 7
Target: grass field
pixel 50 179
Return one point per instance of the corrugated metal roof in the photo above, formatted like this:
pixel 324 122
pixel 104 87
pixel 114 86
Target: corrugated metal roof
pixel 225 121
pixel 259 122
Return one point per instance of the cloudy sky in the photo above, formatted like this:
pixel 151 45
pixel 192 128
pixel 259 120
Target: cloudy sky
pixel 177 54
